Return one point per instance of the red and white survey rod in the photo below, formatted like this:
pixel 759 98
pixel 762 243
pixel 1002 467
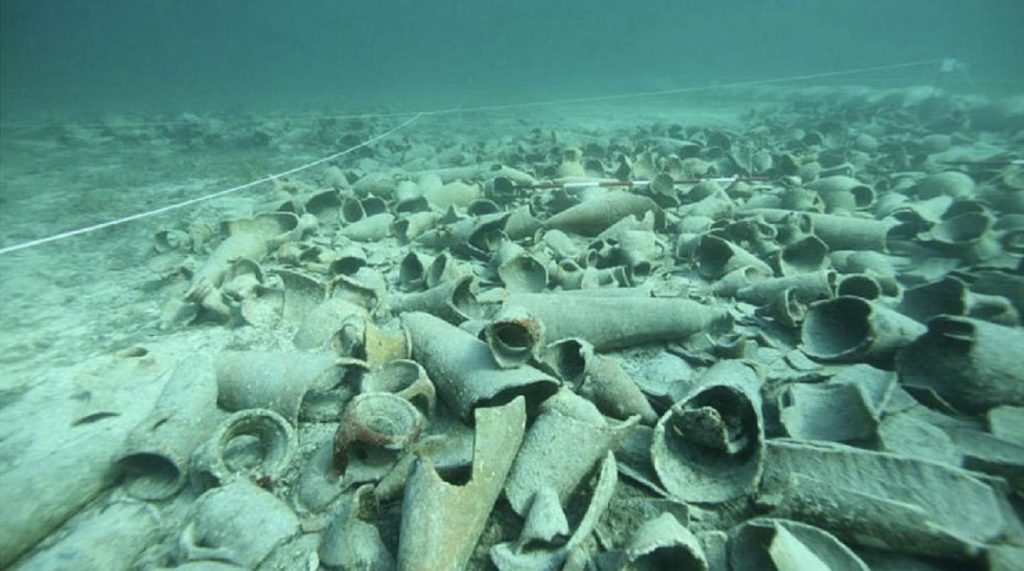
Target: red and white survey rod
pixel 579 185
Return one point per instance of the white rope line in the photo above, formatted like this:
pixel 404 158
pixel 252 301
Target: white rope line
pixel 452 110
pixel 203 198
pixel 563 101
pixel 690 89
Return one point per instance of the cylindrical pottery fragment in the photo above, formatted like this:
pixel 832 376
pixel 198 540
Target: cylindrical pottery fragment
pixel 350 542
pixel 609 387
pixel 570 359
pixel 564 444
pixel 514 337
pixel 768 543
pixel 454 301
pixel 570 555
pixel 335 324
pixel 211 274
pixel 851 330
pixel 863 286
pixel 802 199
pixel 784 307
pixel 302 292
pixel 593 216
pixel 523 273
pixel 848 233
pixel 412 225
pixel 521 223
pixel 366 288
pixel 464 370
pixel 412 272
pixel 807 254
pixel 973 364
pixel 663 543
pixel 841 232
pixel 348 261
pixel 441 521
pixel 277 380
pixel 154 463
pixel 559 245
pixel 376 227
pixel 256 444
pixel 805 287
pixel 171 240
pixel 110 539
pixel 709 447
pixel 324 205
pixel 881 500
pixel 949 183
pixel 609 322
pixel 239 523
pixel 351 210
pixel 443 269
pixel 843 193
pixel 837 412
pixel 374 430
pixel 43 487
pixel 271 228
pixel 318 484
pixel 717 257
pixel 739 279
pixel 967 235
pixel 407 379
pixel 456 193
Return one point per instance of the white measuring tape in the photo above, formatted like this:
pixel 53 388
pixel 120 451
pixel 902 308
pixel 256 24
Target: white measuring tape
pixel 413 116
pixel 204 198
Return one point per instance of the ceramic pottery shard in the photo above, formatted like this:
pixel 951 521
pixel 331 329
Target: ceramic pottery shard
pixel 973 364
pixel 709 447
pixel 843 193
pixel 249 238
pixel 374 430
pixel 157 451
pixel 318 481
pixel 519 556
pixel 662 541
pixel 837 412
pixel 302 294
pixel 110 539
pixel 441 522
pixel 610 387
pixel 454 301
pixel 949 183
pixel 880 500
pixel 717 257
pixel 615 321
pixel 514 337
pixel 562 447
pixel 464 371
pixel 784 545
pixel 373 228
pixel 223 521
pixel 334 324
pixel 806 288
pixel 850 329
pixel 906 434
pixel 255 443
pixel 593 216
pixel 349 542
pixel 407 379
pixel 276 380
pixel 1007 422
